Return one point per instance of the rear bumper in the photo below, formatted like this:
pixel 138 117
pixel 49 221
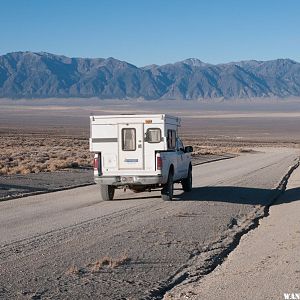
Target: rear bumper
pixel 129 180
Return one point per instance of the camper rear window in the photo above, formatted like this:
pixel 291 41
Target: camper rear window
pixel 153 135
pixel 128 139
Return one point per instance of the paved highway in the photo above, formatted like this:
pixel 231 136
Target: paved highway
pixel 70 245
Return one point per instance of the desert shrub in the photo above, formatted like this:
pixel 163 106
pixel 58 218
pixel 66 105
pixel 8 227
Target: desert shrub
pixel 31 153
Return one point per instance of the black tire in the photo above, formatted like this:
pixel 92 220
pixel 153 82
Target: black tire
pixel 187 183
pixel 107 192
pixel 168 189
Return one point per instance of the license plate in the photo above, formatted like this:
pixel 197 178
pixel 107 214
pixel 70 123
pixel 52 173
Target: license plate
pixel 127 179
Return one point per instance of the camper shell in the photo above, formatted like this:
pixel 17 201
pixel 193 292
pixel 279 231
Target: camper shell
pixel 137 150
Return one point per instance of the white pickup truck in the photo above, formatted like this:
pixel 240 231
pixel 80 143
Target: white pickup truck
pixel 139 152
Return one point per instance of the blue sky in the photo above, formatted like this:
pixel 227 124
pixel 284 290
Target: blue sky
pixel 153 31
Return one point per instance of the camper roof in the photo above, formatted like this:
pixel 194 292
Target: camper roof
pixel 156 118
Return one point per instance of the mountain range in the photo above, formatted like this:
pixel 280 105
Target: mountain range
pixel 43 75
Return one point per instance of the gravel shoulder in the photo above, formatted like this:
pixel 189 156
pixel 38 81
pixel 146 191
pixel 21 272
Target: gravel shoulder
pixel 266 263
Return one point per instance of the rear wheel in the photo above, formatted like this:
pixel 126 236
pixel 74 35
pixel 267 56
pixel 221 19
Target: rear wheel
pixel 168 189
pixel 107 192
pixel 187 183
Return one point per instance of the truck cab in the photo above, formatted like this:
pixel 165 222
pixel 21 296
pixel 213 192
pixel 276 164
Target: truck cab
pixel 139 152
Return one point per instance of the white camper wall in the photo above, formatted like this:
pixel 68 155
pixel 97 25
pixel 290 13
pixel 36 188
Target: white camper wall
pixel 103 136
pixel 105 139
pixel 151 148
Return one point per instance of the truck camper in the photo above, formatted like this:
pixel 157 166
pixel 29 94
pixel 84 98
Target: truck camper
pixel 139 152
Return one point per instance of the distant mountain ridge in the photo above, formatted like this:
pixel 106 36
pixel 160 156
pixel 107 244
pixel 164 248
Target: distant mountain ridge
pixel 43 75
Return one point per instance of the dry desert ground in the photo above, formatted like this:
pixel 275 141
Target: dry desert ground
pixel 48 135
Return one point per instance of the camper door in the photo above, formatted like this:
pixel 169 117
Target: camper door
pixel 131 144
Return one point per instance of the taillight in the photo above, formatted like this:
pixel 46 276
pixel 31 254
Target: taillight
pixel 96 161
pixel 158 163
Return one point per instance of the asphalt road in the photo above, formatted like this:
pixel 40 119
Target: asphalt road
pixel 69 245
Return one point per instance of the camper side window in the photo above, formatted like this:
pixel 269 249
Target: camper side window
pixel 128 139
pixel 153 135
pixel 171 138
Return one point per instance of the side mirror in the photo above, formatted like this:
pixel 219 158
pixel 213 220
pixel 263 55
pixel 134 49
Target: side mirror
pixel 188 149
